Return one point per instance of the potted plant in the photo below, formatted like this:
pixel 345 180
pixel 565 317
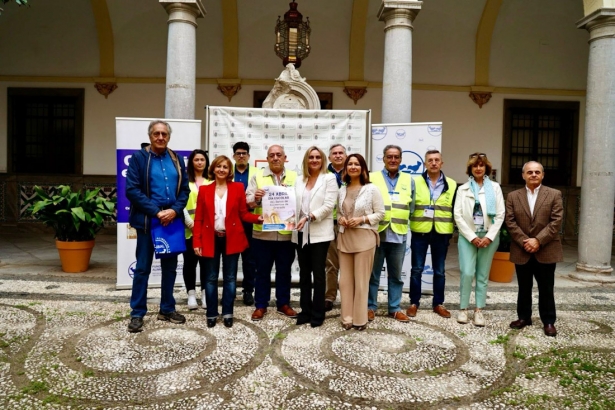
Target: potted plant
pixel 75 217
pixel 502 269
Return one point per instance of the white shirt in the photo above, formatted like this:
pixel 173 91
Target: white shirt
pixel 220 212
pixel 531 197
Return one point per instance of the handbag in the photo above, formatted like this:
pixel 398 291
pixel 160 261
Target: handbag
pixel 168 240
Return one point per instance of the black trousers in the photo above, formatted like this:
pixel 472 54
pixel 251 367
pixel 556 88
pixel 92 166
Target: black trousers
pixel 312 260
pixel 190 262
pixel 248 262
pixel 545 278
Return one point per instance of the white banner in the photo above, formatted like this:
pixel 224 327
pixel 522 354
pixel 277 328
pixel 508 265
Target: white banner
pixel 415 140
pixel 295 130
pixel 130 133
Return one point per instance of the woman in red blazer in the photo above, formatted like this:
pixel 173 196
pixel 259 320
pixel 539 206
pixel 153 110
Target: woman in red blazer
pixel 218 232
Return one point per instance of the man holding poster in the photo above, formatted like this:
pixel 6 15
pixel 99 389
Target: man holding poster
pixel 272 241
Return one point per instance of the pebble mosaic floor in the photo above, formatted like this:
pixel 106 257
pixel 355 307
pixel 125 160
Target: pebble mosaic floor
pixel 64 345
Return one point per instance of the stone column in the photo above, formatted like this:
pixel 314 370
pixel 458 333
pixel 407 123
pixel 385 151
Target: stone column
pixel 397 75
pixel 181 57
pixel 598 181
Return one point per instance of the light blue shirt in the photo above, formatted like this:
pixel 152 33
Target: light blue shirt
pixel 163 179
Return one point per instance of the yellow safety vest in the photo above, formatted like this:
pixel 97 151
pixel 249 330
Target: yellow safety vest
pixel 262 181
pixel 443 208
pixel 191 204
pixel 397 213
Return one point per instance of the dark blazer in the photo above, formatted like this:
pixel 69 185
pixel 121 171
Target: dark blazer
pixel 236 211
pixel 543 225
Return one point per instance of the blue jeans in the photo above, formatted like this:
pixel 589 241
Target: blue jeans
pixel 394 255
pixel 282 253
pixel 439 247
pixel 145 254
pixel 229 280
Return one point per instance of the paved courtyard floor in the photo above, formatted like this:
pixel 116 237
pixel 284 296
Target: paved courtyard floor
pixel 64 344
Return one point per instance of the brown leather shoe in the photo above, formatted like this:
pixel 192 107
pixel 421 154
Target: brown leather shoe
pixel 520 324
pixel 287 311
pixel 399 316
pixel 412 310
pixel 258 314
pixel 550 330
pixel 441 310
pixel 328 305
pixel 371 315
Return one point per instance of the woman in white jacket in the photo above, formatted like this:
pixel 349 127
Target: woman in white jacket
pixel 316 193
pixel 360 208
pixel 479 214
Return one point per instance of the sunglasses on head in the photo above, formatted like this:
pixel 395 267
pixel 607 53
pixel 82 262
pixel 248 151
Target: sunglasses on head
pixel 480 155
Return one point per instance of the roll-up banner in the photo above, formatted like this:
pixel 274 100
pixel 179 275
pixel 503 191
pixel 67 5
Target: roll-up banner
pixel 415 139
pixel 295 130
pixel 130 134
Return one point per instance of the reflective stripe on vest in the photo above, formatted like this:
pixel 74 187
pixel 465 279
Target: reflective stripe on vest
pixel 443 208
pixel 397 213
pixel 262 181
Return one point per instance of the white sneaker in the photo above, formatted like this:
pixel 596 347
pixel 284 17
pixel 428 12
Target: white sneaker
pixel 462 316
pixel 479 319
pixel 203 300
pixel 192 305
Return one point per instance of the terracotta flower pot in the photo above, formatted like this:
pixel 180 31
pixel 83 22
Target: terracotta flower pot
pixel 75 256
pixel 502 269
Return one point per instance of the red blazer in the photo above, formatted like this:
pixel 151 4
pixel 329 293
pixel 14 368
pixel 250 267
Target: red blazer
pixel 236 211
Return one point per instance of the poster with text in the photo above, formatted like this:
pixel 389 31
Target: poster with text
pixel 279 208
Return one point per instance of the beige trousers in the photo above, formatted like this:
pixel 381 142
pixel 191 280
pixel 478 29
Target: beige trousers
pixel 355 271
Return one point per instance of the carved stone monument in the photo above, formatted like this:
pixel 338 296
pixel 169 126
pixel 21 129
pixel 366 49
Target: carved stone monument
pixel 291 91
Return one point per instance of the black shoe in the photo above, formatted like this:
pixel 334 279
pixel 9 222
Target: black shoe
pixel 302 319
pixel 212 322
pixel 135 325
pixel 172 317
pixel 328 305
pixel 228 321
pixel 248 299
pixel 315 323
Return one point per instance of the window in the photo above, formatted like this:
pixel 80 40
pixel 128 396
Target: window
pixel 543 131
pixel 45 130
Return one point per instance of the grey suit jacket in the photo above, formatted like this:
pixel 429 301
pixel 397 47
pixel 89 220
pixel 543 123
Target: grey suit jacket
pixel 543 225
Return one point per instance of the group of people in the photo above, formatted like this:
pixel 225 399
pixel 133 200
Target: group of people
pixel 348 221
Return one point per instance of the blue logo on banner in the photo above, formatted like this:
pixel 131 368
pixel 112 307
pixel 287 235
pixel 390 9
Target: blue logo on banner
pixel 379 133
pixel 131 269
pixel 434 130
pixel 411 163
pixel 400 134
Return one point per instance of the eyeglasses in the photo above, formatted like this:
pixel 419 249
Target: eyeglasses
pixel 393 157
pixel 480 155
pixel 241 154
pixel 160 133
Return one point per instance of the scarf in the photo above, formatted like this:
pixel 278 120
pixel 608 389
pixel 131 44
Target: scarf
pixel 338 175
pixel 489 195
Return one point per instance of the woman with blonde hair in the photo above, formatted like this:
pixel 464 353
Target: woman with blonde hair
pixel 316 193
pixel 219 234
pixel 360 209
pixel 479 213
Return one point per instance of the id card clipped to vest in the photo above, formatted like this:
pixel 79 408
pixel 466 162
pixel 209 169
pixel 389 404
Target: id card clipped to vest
pixel 428 213
pixel 394 196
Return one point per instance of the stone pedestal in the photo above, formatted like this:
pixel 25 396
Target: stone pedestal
pixel 397 75
pixel 598 183
pixel 181 57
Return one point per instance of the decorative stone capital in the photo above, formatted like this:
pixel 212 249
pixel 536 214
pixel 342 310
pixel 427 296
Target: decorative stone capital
pixel 399 13
pixel 105 88
pixel 481 95
pixel 600 24
pixel 229 87
pixel 355 90
pixel 186 11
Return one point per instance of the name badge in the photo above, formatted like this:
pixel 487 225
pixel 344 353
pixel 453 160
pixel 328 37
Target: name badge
pixel 479 220
pixel 428 213
pixel 394 196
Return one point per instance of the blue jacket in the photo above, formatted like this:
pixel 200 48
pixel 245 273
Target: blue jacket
pixel 138 190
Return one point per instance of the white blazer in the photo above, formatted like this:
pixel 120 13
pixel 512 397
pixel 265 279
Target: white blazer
pixel 464 211
pixel 322 200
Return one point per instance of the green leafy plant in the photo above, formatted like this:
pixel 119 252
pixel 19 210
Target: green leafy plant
pixel 505 240
pixel 74 216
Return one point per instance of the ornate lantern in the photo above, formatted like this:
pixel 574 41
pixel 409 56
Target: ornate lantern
pixel 292 37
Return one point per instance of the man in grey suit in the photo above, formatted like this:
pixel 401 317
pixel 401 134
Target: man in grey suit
pixel 533 217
